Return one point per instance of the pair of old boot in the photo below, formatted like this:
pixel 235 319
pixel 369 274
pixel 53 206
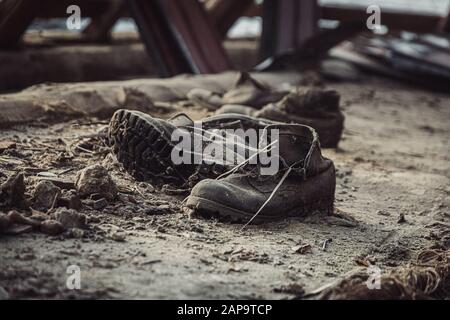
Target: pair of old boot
pixel 238 190
pixel 317 108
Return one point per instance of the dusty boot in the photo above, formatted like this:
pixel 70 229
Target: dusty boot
pixel 143 145
pixel 305 182
pixel 315 108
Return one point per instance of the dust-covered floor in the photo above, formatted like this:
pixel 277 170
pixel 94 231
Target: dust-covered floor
pixel 392 200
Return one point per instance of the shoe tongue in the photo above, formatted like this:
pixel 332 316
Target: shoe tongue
pixel 181 120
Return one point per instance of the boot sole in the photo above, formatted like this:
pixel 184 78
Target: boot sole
pixel 211 209
pixel 144 148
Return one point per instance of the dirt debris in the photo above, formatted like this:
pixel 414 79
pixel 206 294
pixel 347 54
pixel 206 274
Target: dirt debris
pixel 70 218
pixel 12 192
pixel 17 223
pixel 95 179
pixel 70 200
pixel 302 249
pixel 295 289
pixel 382 132
pixel 52 227
pixel 45 195
pixel 4 145
pixel 18 218
pixel 401 218
pixel 242 254
pixel 428 278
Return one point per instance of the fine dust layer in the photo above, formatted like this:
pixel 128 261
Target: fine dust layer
pixel 392 201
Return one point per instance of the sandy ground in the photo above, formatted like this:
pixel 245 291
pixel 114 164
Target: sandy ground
pixel 393 160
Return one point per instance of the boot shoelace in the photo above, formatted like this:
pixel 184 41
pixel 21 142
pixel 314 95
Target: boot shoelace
pixel 299 167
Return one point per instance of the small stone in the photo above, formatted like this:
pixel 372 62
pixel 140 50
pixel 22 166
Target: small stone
pixel 147 186
pixel 383 213
pixel 71 200
pixel 155 211
pixel 16 217
pixel 12 191
pixel 161 229
pixel 4 145
pixel 95 179
pixel 76 233
pixel 52 227
pixel 70 218
pixel 293 289
pixel 45 194
pixel 302 249
pixel 118 236
pixel 100 204
pixel 401 218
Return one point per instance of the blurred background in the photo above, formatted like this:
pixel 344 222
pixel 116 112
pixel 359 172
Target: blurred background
pixel 123 39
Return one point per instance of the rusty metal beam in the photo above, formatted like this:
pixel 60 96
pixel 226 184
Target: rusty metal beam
pixel 15 17
pixel 197 35
pixel 179 36
pixel 395 20
pixel 287 24
pixel 57 9
pixel 99 29
pixel 444 25
pixel 158 38
pixel 224 13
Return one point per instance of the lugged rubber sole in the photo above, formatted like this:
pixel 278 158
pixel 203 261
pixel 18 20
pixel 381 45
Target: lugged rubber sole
pixel 143 146
pixel 211 209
